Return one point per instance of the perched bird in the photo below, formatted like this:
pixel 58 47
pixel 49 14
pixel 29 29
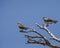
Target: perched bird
pixel 22 27
pixel 49 21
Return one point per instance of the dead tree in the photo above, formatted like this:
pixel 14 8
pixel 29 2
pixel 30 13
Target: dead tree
pixel 43 40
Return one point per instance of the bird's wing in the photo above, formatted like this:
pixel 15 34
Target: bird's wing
pixel 47 19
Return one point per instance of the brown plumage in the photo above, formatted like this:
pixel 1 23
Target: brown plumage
pixel 21 26
pixel 49 21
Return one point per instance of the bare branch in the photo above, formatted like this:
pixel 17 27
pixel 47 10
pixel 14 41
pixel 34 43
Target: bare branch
pixel 32 36
pixel 48 31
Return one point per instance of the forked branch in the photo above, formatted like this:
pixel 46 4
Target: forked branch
pixel 48 31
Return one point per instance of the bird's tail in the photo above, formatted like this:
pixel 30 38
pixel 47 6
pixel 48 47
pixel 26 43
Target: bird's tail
pixel 55 22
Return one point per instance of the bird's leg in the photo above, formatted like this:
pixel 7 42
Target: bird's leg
pixel 46 25
pixel 21 30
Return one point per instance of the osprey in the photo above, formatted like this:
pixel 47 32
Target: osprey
pixel 22 27
pixel 49 21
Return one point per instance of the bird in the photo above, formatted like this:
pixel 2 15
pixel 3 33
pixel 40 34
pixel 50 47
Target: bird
pixel 49 21
pixel 22 26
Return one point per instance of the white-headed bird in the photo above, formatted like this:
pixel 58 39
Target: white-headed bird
pixel 22 27
pixel 49 21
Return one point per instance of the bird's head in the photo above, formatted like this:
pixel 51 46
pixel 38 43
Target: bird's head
pixel 19 23
pixel 44 17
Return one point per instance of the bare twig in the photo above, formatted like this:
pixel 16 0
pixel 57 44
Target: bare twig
pixel 32 36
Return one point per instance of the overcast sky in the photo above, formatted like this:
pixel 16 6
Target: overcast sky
pixel 28 12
